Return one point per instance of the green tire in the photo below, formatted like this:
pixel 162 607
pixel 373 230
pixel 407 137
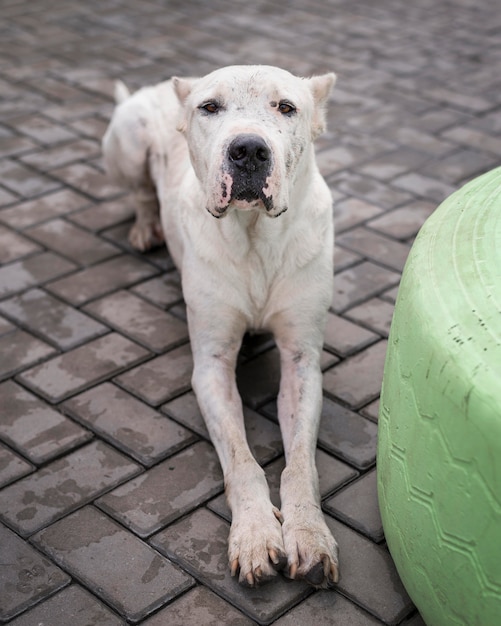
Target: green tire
pixel 439 448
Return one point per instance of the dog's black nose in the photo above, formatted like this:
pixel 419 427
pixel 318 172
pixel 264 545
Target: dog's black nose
pixel 250 153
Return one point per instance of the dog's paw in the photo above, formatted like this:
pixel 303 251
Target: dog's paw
pixel 256 548
pixel 144 236
pixel 311 549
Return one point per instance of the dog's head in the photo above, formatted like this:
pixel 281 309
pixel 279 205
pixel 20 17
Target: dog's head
pixel 249 130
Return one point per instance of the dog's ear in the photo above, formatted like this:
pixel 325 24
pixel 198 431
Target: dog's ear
pixel 320 88
pixel 182 89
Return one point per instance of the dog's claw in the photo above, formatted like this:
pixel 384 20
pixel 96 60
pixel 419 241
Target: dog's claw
pixel 334 573
pixel 277 513
pixel 293 571
pixel 234 567
pixel 279 560
pixel 273 556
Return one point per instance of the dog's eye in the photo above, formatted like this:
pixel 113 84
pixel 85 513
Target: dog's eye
pixel 286 108
pixel 210 107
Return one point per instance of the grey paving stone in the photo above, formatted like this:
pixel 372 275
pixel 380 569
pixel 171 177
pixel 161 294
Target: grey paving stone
pixel 327 608
pixel 387 166
pixel 356 284
pixel 372 191
pixel 263 436
pixel 36 269
pixel 404 222
pixel 376 247
pixel 7 198
pixel 419 140
pixel 164 291
pixel 72 242
pixel 460 166
pixel 62 486
pixel 167 491
pixel 128 424
pixel 87 179
pixel 344 259
pixel 13 145
pixel 24 181
pixel 344 337
pixel 199 606
pixel 162 378
pixel 370 578
pixel 69 373
pixel 143 322
pixel 476 139
pixel 199 544
pixel 424 186
pixel 104 214
pixel 73 605
pixel 62 154
pixel 134 579
pixel 371 410
pixel 55 321
pixel 352 212
pixel 357 380
pixel 14 246
pixel 357 506
pixel 19 350
pixel 29 577
pixel 377 314
pixel 35 429
pixel 5 326
pixel 96 281
pixel 459 99
pixel 12 466
pixel 47 207
pixel 41 129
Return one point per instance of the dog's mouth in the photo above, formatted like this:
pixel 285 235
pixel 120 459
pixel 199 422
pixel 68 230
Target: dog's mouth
pixel 249 200
pixel 248 195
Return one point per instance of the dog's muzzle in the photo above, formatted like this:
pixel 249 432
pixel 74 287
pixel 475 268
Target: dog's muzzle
pixel 250 161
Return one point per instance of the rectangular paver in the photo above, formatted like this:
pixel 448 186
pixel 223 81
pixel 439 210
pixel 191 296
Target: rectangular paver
pixel 161 378
pixel 26 577
pixel 370 578
pixel 141 321
pixel 34 428
pixel 72 242
pixel 128 423
pixel 62 486
pixel 71 372
pixel 133 578
pixel 357 380
pixel 32 271
pixel 54 320
pixel 95 281
pixel 171 489
pixel 19 350
pixel 73 605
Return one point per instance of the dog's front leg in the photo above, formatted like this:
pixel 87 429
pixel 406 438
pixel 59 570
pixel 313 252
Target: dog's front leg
pixel 311 549
pixel 255 542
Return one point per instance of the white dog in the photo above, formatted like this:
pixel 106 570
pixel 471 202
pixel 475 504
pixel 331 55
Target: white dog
pixel 245 153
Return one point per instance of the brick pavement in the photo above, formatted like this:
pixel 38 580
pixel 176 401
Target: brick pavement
pixel 111 497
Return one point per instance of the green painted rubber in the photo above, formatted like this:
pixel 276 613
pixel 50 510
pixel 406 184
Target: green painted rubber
pixel 439 449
